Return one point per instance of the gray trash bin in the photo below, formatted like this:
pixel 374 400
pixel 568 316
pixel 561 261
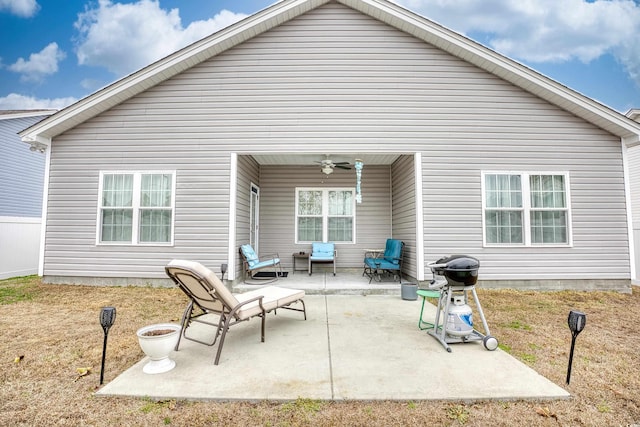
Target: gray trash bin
pixel 409 291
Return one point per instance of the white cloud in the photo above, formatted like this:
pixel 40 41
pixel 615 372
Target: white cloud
pixel 126 37
pixel 40 64
pixel 545 30
pixel 14 101
pixel 22 8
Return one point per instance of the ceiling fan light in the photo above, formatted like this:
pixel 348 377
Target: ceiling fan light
pixel 327 170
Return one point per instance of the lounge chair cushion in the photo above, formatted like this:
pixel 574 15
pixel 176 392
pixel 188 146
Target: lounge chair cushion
pixel 219 288
pixel 274 297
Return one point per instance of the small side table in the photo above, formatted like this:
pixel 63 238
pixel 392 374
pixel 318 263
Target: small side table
pixel 304 256
pixel 426 293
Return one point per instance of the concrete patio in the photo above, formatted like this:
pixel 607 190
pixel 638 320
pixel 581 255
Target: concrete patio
pixel 359 342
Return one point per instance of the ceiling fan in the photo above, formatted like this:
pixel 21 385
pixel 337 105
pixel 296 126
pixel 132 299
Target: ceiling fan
pixel 327 165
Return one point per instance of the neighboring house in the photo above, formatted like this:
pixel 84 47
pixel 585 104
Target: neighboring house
pixel 21 183
pixel 634 184
pixel 464 151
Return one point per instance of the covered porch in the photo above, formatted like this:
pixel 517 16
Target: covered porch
pixel 267 208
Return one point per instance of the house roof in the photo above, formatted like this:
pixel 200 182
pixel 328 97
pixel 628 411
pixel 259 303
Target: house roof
pixel 382 10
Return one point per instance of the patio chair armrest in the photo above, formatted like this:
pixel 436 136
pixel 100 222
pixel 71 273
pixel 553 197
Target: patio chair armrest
pixel 269 256
pixel 243 303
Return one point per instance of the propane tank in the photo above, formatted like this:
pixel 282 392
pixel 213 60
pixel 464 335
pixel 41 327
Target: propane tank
pixel 460 318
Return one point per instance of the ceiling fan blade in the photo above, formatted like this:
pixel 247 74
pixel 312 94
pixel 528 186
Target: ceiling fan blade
pixel 341 163
pixel 342 166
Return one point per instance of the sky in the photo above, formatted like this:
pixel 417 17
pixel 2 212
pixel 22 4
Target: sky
pixel 55 52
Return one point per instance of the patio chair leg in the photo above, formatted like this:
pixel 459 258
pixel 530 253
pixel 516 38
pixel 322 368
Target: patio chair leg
pixel 264 317
pixel 185 319
pixel 222 336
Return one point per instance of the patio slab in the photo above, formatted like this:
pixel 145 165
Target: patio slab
pixel 352 347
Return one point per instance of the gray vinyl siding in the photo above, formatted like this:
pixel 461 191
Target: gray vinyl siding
pixel 335 81
pixel 21 171
pixel 453 206
pixel 277 210
pixel 404 210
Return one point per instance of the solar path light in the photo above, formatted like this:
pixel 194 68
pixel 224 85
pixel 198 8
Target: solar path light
pixel 576 321
pixel 107 318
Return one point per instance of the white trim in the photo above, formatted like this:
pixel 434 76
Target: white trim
pixel 20 220
pixel 45 210
pixel 417 166
pixel 627 196
pixel 233 183
pixel 137 182
pixel 28 113
pixel 526 210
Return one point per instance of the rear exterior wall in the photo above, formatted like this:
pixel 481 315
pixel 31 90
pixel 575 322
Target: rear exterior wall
pixel 336 81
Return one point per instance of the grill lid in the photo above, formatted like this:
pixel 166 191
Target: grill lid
pixel 459 263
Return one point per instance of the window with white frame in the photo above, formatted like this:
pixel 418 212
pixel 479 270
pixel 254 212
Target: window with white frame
pixel 325 215
pixel 526 208
pixel 136 207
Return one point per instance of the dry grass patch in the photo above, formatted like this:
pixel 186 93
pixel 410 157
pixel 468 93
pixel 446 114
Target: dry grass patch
pixel 50 331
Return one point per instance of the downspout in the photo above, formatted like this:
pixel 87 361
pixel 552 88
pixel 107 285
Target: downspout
pixel 44 146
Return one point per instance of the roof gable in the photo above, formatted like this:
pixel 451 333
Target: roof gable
pixel 382 10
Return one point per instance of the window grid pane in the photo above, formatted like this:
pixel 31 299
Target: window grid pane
pixel 155 225
pixel 156 190
pixel 310 202
pixel 503 191
pixel 548 227
pixel 504 227
pixel 340 229
pixel 117 225
pixel 547 191
pixel 309 229
pixel 340 202
pixel 117 190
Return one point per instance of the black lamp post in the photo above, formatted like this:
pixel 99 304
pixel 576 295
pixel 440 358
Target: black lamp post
pixel 576 321
pixel 107 318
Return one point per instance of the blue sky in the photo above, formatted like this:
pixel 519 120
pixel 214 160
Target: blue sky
pixel 55 52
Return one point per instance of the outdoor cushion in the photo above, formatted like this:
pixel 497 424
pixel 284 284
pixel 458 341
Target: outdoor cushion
pixel 322 251
pixel 252 263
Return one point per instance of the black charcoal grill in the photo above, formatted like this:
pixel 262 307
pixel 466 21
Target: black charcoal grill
pixel 455 277
pixel 459 270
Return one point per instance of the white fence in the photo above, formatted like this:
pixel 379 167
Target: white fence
pixel 19 246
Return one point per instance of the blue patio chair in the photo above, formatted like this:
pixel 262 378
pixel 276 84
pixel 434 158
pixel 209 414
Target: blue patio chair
pixel 252 264
pixel 389 262
pixel 322 252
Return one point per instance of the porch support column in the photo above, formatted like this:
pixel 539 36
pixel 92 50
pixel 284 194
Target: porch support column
pixel 419 206
pixel 233 187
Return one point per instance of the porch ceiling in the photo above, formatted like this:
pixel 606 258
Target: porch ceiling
pixel 312 159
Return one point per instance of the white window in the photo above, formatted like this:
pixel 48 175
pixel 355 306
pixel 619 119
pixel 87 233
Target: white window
pixel 136 208
pixel 325 215
pixel 526 209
